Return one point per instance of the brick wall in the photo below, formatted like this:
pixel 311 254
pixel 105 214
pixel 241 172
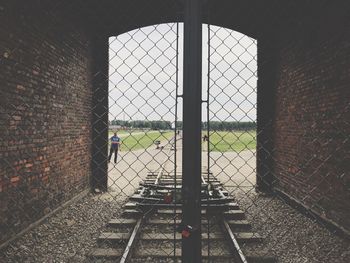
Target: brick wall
pixel 45 107
pixel 312 130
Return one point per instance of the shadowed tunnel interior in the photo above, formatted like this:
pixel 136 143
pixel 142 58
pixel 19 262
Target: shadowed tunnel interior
pixel 54 101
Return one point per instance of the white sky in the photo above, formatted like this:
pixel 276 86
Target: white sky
pixel 142 74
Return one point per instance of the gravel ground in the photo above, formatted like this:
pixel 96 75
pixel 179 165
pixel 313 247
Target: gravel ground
pixel 70 234
pixel 290 235
pixel 67 236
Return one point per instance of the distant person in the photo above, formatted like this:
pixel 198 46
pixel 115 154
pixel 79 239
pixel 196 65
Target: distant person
pixel 115 142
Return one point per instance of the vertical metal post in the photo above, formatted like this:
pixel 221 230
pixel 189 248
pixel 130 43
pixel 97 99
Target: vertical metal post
pixel 208 130
pixel 99 114
pixel 267 63
pixel 192 89
pixel 175 135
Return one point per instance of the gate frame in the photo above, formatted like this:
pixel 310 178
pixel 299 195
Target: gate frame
pixel 265 99
pixel 192 105
pixel 192 118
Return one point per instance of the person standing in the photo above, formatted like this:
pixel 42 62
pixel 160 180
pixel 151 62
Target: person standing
pixel 115 142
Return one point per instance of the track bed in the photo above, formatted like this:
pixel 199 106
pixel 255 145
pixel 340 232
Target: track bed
pixel 151 228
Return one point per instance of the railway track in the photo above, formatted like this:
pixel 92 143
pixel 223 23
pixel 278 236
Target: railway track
pixel 150 228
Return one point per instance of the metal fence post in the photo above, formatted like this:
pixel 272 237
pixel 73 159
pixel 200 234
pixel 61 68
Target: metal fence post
pixel 265 115
pixel 99 114
pixel 192 85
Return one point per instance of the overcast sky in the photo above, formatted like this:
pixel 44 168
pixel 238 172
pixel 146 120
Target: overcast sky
pixel 142 74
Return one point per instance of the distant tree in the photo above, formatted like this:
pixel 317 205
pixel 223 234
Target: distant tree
pixel 167 125
pixel 228 126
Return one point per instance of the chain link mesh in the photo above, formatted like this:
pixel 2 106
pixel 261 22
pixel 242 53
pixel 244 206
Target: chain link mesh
pixel 143 106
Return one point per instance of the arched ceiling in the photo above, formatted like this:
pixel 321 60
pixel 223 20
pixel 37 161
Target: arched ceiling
pixel 255 18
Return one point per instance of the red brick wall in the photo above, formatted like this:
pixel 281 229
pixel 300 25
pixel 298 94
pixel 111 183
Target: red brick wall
pixel 45 107
pixel 312 130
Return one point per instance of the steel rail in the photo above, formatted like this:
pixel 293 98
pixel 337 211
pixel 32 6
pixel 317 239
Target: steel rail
pixel 136 231
pixel 160 173
pixel 237 251
pixel 127 252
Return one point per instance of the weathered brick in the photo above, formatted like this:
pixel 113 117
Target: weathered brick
pixel 44 60
pixel 311 128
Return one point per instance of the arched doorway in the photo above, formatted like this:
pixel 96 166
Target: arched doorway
pixel 145 112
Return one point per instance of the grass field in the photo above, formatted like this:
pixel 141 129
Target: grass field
pixel 136 140
pixel 227 141
pixel 220 141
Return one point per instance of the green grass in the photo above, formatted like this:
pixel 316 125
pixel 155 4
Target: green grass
pixel 132 141
pixel 231 141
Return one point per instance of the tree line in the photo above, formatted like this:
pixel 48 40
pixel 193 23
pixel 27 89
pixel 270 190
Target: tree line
pixel 167 125
pixel 229 125
pixel 138 124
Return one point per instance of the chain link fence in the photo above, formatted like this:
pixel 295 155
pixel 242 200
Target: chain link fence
pixel 132 212
pixel 231 154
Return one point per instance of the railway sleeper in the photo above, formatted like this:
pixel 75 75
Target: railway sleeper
pixel 144 205
pixel 127 222
pixel 151 255
pixel 111 237
pixel 231 214
pixel 144 199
